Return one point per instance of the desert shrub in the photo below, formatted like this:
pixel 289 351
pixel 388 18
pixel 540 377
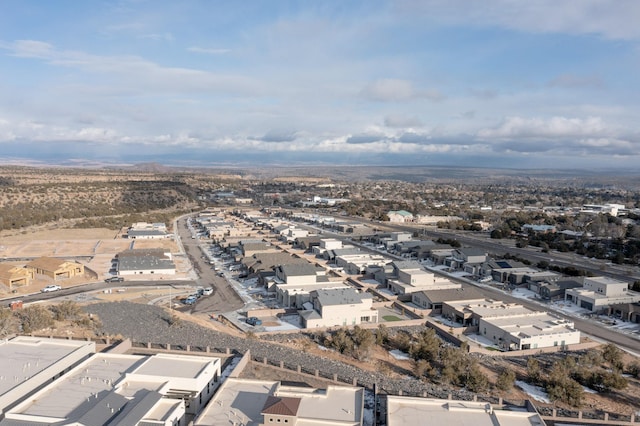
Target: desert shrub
pixel 34 318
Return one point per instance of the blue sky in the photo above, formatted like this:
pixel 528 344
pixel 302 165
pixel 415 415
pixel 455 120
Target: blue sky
pixel 423 82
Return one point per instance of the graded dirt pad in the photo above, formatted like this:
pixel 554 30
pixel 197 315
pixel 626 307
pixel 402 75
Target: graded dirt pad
pixel 95 248
pixel 74 243
pixel 165 243
pixel 57 234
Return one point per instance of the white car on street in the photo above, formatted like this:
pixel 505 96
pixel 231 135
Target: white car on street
pixel 52 287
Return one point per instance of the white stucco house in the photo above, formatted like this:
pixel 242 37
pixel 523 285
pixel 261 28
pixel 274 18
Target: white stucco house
pixel 597 293
pixel 339 307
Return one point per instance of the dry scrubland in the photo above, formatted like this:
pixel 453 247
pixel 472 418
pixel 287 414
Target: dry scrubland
pixel 51 199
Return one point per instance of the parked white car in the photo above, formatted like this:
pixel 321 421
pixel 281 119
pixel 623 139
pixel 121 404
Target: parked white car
pixel 51 287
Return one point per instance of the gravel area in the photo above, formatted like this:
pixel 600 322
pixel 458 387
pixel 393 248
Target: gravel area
pixel 151 324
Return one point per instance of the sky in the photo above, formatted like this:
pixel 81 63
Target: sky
pixel 492 83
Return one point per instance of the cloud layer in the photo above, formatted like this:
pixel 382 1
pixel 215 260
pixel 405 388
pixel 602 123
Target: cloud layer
pixel 430 81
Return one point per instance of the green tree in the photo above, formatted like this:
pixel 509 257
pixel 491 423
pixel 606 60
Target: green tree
pixel 506 379
pixel 341 341
pixel 422 368
pixel 363 343
pixel 382 335
pixel 426 346
pixel 613 355
pixel 474 378
pixel 560 386
pixel 402 341
pixel 566 390
pixel 534 371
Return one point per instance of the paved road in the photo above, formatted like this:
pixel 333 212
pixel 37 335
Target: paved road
pixel 224 297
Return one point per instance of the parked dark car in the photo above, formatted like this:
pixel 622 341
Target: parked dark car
pixel 254 321
pixel 114 280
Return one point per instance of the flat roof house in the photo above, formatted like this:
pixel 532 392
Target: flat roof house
pixel 293 283
pixel 411 411
pixel 261 402
pixel 434 299
pixel 123 389
pixel 511 326
pixel 597 293
pixel 35 360
pixel 533 330
pixel 339 307
pixel 410 277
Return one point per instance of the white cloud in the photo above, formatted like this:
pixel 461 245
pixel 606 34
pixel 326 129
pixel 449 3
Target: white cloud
pixel 29 49
pixel 611 19
pixel 158 36
pixel 555 127
pixel 135 72
pixel 402 121
pixel 208 50
pixel 572 81
pixel 391 89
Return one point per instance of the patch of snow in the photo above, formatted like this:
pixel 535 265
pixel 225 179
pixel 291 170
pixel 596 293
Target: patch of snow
pixel 481 340
pixel 535 392
pixel 523 293
pixel 588 390
pixel 447 322
pixel 232 365
pixel 399 355
pixel 386 291
pixel 287 322
pixel 369 408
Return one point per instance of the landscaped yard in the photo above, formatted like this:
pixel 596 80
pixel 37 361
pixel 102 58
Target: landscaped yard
pixel 391 318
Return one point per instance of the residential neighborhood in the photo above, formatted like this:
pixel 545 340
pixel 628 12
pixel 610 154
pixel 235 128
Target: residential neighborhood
pixel 317 280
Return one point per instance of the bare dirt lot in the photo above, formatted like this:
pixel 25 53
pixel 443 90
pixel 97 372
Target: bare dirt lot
pixel 95 248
